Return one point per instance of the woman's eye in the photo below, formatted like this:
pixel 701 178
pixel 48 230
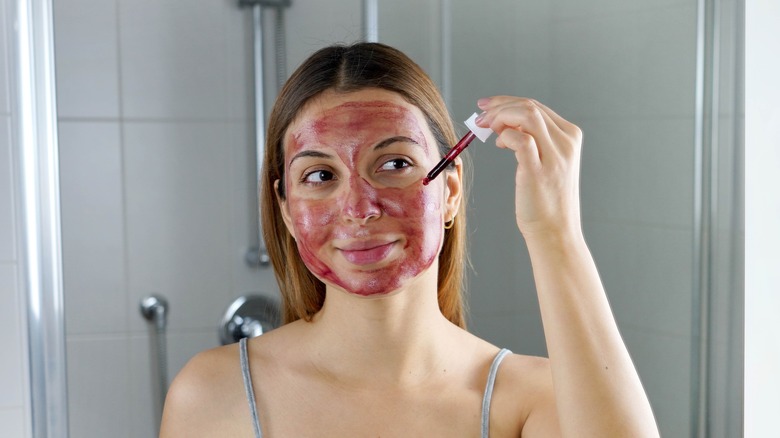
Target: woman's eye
pixel 395 164
pixel 318 176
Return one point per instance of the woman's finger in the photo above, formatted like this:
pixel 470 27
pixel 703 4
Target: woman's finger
pixel 564 125
pixel 523 115
pixel 553 132
pixel 524 146
pixel 550 116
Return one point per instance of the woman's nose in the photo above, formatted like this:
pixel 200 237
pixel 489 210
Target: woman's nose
pixel 361 201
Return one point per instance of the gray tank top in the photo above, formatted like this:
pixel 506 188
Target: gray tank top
pixel 250 392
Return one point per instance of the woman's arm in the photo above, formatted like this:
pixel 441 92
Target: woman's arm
pixel 596 387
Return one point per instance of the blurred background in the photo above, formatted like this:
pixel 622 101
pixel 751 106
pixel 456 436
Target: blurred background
pixel 155 116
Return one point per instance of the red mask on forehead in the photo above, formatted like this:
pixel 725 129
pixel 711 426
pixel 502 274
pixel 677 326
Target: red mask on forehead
pixel 364 237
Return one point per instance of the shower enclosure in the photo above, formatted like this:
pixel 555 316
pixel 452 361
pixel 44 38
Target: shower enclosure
pixel 158 194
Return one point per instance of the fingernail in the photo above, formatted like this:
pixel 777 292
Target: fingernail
pixel 480 118
pixel 482 103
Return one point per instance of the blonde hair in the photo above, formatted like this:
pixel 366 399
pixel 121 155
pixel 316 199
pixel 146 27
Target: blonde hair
pixel 346 69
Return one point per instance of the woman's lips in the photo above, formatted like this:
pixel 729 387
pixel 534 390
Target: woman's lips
pixel 366 253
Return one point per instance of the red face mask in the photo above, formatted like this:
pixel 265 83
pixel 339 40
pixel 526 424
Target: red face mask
pixel 362 218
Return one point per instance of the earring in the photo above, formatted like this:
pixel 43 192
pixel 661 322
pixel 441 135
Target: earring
pixel 449 224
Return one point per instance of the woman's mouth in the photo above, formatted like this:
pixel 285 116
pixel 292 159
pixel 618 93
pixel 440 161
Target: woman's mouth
pixel 366 252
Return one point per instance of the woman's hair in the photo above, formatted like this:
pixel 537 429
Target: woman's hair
pixel 345 69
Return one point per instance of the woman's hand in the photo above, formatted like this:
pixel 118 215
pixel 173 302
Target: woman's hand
pixel 547 149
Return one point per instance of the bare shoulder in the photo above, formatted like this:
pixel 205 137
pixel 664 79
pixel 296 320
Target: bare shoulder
pixel 203 394
pixel 207 398
pixel 524 396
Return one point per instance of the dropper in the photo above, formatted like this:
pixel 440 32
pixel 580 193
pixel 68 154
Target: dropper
pixel 474 132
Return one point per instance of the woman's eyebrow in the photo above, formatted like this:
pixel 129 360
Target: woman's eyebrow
pixel 397 139
pixel 382 144
pixel 310 153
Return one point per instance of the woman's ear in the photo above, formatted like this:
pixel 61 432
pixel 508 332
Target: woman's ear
pixel 453 190
pixel 284 209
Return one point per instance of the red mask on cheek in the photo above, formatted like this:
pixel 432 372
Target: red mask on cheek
pixel 412 216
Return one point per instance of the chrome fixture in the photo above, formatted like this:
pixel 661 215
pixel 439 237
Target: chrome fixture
pixel 257 255
pixel 154 309
pixel 371 21
pixel 249 316
pixel 32 103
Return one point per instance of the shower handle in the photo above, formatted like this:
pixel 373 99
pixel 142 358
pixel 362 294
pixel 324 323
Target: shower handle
pixel 155 309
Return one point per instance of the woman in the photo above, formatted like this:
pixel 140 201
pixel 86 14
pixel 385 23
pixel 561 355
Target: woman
pixel 370 263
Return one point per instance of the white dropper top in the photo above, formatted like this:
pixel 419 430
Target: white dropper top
pixel 480 132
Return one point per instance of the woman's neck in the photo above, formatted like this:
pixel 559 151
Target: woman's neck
pixel 390 340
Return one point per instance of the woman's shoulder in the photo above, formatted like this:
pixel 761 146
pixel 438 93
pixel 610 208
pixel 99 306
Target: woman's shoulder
pixel 514 368
pixel 202 391
pixel 208 369
pixel 524 368
pixel 524 392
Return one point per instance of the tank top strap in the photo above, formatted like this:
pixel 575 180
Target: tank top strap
pixel 491 380
pixel 250 392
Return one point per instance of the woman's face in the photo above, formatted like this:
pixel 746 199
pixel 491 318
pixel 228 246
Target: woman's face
pixel 355 203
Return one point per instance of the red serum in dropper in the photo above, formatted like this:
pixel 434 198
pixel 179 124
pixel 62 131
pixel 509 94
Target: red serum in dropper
pixel 474 132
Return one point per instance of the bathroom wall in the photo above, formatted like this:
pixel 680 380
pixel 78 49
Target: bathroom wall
pixel 14 398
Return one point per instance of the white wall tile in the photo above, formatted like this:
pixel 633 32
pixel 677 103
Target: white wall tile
pixel 5 53
pixel 607 182
pixel 663 170
pixel 98 394
pixel 92 228
pixel 177 178
pixel 595 66
pixel 647 273
pixel 639 171
pixel 244 230
pixel 313 24
pixel 7 207
pixel 510 58
pixel 173 59
pixel 620 63
pixel 240 145
pixel 419 37
pixel 87 62
pixel 666 43
pixel 11 336
pixel 573 9
pixel 239 65
pixel 12 423
pixel 143 400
